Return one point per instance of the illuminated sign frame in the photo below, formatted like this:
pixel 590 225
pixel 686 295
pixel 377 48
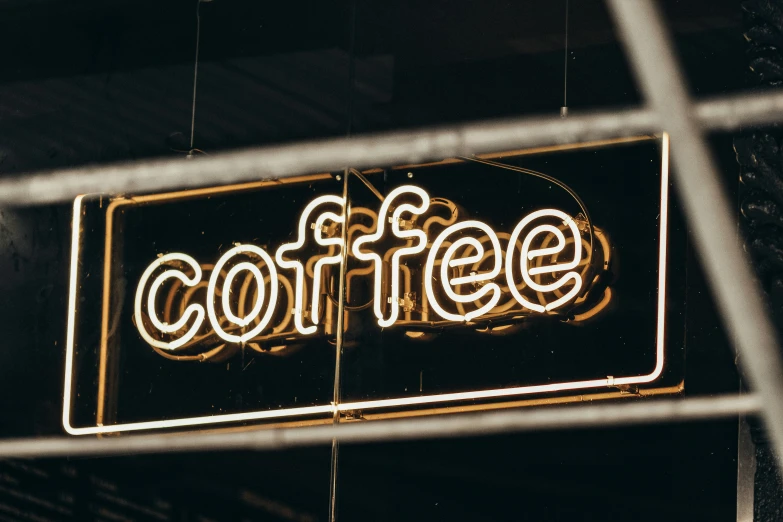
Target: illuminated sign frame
pixel 369 405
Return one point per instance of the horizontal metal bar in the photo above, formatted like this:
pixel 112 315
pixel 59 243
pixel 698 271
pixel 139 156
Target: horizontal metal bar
pixel 603 415
pixel 735 112
pixel 392 148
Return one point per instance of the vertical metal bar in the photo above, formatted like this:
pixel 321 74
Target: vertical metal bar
pixel 339 350
pixel 708 211
pixel 335 461
pixel 746 471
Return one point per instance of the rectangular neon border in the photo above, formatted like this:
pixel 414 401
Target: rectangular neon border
pixel 371 404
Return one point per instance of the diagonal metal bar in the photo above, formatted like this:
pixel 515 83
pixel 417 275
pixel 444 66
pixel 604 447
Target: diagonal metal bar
pixel 392 148
pixel 708 211
pixel 456 425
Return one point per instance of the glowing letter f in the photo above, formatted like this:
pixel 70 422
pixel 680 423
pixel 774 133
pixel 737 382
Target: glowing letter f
pixel 293 248
pixel 417 239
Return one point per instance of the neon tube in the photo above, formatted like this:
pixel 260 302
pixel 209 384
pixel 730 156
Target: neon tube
pixel 211 290
pixel 448 261
pixel 297 266
pixel 402 234
pixel 527 255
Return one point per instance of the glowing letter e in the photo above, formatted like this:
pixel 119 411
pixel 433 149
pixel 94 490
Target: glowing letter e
pixel 449 262
pixel 417 247
pixel 528 255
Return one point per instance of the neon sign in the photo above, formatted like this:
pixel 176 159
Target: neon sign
pixel 476 296
pixel 453 263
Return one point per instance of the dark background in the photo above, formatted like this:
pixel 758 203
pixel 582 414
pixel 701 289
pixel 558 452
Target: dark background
pixel 89 81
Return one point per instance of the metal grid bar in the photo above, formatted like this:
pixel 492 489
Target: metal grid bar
pixel 454 425
pixel 728 271
pixel 706 207
pixel 391 148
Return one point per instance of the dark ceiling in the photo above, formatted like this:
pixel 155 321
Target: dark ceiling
pixel 93 81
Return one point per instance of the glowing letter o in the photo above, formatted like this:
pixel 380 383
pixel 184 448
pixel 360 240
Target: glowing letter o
pixel 270 307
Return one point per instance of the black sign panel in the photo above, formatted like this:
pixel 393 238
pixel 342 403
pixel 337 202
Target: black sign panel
pixel 471 283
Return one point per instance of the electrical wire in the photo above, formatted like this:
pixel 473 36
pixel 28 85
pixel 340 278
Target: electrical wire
pixel 565 66
pixel 367 183
pixel 195 75
pixel 550 179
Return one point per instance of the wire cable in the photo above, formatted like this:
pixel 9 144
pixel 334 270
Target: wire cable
pixel 565 66
pixel 195 76
pixel 550 179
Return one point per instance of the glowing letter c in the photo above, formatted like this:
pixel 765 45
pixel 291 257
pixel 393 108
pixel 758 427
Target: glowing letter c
pixel 190 311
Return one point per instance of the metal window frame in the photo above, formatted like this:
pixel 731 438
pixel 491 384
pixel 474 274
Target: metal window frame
pixel 707 210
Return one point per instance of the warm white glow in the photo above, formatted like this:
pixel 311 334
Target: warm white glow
pixel 226 293
pixel 448 261
pixel 226 289
pixel 663 230
pixel 527 255
pixel 190 311
pixel 203 420
pixel 298 267
pixel 76 229
pixel 326 260
pixel 394 294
